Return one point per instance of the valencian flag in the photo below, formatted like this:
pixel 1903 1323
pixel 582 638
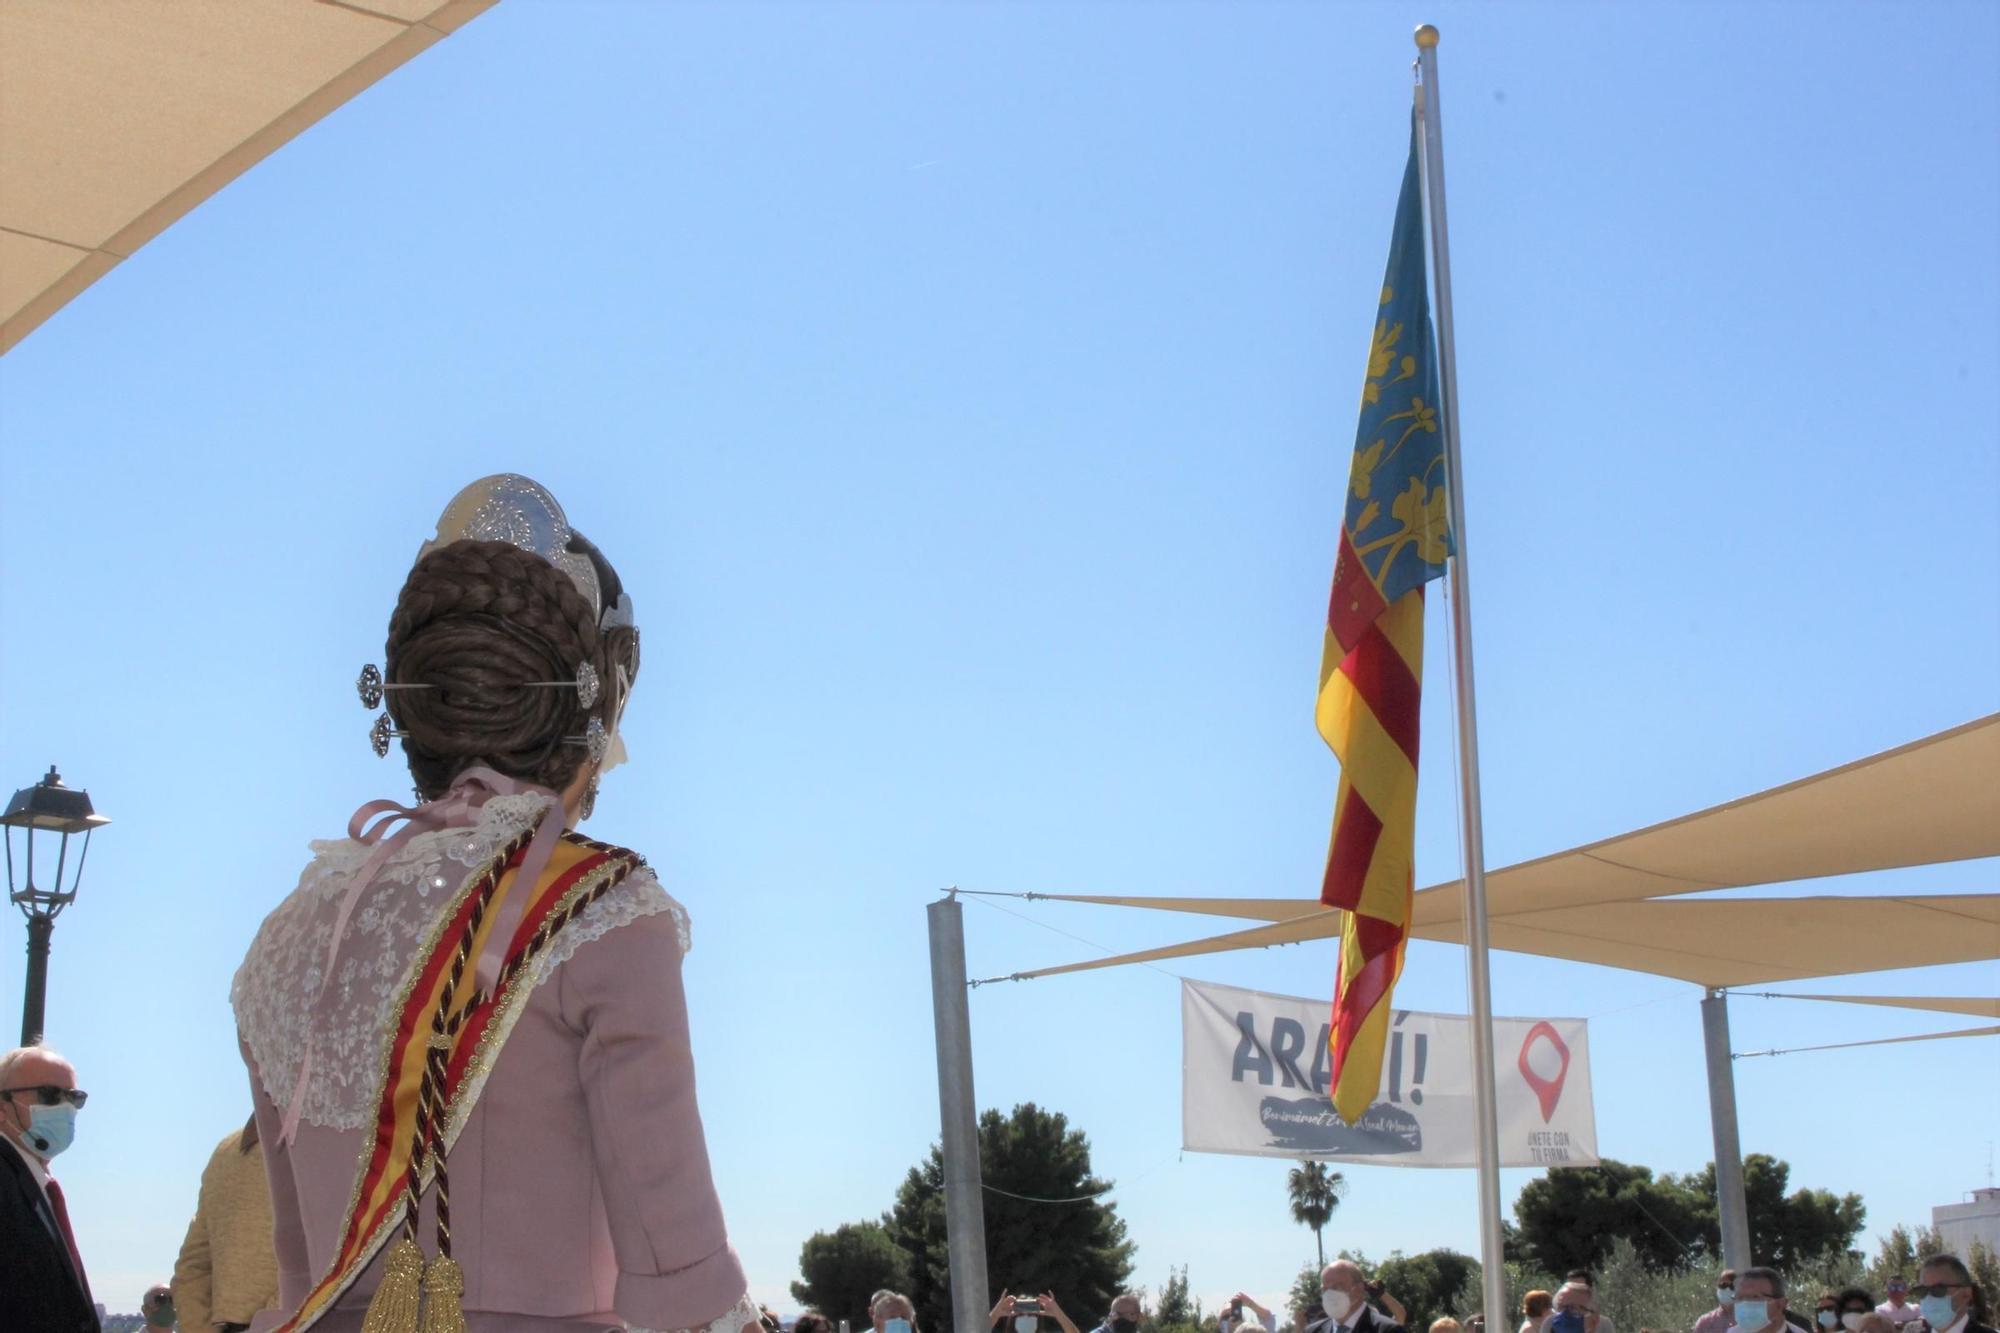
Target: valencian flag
pixel 1394 538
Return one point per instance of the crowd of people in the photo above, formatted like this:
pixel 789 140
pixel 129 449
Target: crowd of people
pixel 227 1269
pixel 1755 1300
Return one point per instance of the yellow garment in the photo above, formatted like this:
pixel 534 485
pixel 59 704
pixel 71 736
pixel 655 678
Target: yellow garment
pixel 228 1267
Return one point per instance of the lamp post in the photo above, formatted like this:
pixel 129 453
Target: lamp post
pixel 46 808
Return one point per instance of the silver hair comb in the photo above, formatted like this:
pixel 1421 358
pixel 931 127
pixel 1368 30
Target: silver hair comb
pixel 520 511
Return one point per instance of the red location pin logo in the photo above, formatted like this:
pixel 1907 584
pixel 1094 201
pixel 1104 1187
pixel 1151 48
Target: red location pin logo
pixel 1548 1091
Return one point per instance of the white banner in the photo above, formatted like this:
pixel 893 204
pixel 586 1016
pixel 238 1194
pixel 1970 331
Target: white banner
pixel 1255 1070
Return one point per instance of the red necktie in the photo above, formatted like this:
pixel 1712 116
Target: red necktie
pixel 69 1237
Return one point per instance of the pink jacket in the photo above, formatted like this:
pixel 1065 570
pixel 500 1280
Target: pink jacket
pixel 581 1195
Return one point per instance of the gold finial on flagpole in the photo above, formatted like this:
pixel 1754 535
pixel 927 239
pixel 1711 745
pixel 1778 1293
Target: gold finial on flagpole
pixel 1427 36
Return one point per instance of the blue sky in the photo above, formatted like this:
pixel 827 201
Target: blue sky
pixel 966 394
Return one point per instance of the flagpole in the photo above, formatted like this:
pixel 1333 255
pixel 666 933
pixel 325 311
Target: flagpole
pixel 1478 982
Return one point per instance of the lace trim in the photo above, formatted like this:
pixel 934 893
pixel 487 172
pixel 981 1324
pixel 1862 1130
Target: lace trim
pixel 274 991
pixel 640 895
pixel 737 1316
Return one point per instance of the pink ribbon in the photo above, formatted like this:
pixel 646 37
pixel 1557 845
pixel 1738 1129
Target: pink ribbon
pixel 457 808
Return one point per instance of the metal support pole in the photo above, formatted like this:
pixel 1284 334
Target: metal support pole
pixel 1478 982
pixel 40 928
pixel 964 1206
pixel 1730 1204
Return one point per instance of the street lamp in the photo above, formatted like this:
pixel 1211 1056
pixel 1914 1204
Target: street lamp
pixel 45 808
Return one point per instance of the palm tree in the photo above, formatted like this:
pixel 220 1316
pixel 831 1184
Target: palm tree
pixel 1316 1192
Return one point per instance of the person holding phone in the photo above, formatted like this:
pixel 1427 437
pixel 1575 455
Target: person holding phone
pixel 1233 1317
pixel 1027 1312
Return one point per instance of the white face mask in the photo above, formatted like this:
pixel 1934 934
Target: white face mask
pixel 1335 1303
pixel 1851 1321
pixel 1026 1323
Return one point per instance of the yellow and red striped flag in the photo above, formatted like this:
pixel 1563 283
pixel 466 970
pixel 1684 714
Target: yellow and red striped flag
pixel 1394 538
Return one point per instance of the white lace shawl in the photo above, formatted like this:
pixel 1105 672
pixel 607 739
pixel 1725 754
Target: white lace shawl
pixel 275 988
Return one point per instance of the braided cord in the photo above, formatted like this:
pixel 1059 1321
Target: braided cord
pixel 447 1023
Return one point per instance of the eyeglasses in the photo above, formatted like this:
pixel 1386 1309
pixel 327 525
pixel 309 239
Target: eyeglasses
pixel 48 1094
pixel 1937 1289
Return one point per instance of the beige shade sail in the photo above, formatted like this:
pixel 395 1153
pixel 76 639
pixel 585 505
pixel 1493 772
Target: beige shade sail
pixel 1710 941
pixel 1985 1007
pixel 1933 800
pixel 119 116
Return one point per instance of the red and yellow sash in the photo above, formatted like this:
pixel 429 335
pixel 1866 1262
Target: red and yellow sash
pixel 446 1037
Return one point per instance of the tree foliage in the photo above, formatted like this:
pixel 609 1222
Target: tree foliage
pixel 1177 1310
pixel 1570 1217
pixel 843 1267
pixel 1427 1284
pixel 1305 1292
pixel 1898 1252
pixel 1786 1230
pixel 1075 1248
pixel 1315 1193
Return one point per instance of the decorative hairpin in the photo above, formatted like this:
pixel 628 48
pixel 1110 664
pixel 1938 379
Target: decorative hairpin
pixel 596 741
pixel 371 687
pixel 380 734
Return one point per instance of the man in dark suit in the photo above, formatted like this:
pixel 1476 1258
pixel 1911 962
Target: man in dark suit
pixel 42 1284
pixel 1949 1299
pixel 1344 1297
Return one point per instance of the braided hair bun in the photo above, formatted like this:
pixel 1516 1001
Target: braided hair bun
pixel 478 621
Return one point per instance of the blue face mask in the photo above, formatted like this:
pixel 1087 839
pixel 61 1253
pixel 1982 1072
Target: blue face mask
pixel 50 1129
pixel 1752 1315
pixel 1565 1321
pixel 1827 1319
pixel 896 1325
pixel 1937 1311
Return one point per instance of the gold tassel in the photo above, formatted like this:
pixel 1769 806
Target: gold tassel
pixel 444 1284
pixel 394 1307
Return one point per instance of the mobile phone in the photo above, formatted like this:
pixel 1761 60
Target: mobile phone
pixel 1027 1307
pixel 1236 1310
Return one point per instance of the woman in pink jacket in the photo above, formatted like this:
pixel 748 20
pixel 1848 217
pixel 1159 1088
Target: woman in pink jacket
pixel 466 1032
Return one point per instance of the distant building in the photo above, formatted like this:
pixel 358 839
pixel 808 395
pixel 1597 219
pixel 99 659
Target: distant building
pixel 1959 1224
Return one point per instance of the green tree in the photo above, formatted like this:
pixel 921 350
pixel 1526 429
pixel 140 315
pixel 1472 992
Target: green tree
pixel 1898 1253
pixel 1639 1295
pixel 1177 1311
pixel 1048 1227
pixel 1984 1264
pixel 843 1267
pixel 1305 1292
pixel 1569 1217
pixel 1786 1230
pixel 1315 1192
pixel 1427 1284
